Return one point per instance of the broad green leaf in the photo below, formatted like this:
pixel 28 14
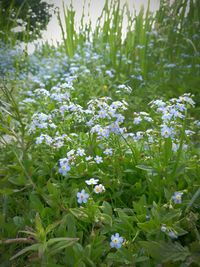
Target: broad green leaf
pixel 164 252
pixel 71 225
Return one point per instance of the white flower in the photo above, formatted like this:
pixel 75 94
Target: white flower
pixel 92 181
pixel 99 188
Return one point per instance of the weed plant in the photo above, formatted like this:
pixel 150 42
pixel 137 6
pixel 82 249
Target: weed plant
pixel 100 143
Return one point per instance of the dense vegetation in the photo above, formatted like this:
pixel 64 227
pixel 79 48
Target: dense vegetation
pixel 23 19
pixel 100 142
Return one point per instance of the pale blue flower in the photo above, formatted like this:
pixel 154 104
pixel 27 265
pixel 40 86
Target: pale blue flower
pixel 102 114
pixel 116 241
pixel 172 234
pixel 80 152
pixel 64 166
pixel 108 151
pixel 166 131
pixel 177 197
pixel 98 159
pixel 82 197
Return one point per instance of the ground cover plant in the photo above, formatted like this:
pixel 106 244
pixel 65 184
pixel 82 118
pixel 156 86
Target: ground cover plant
pixel 100 143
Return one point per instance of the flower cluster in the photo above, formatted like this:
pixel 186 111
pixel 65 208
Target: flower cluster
pixel 106 118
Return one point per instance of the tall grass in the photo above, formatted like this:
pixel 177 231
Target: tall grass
pixel 144 43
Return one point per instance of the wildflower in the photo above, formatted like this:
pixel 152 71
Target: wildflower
pixel 120 118
pixel 138 136
pixel 71 155
pixel 172 234
pixel 175 147
pixel 82 197
pixel 102 114
pixel 189 132
pixel 166 131
pixel 137 120
pixel 110 73
pixel 103 132
pixel 98 159
pixel 125 88
pixel 108 151
pixel 64 166
pixel 40 139
pixel 80 152
pixel 114 127
pixel 167 116
pixel 163 228
pixel 88 158
pixel 177 197
pixel 99 188
pixel 149 119
pixel 116 241
pixel 92 181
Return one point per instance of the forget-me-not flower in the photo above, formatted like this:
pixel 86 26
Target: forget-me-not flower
pixel 98 159
pixel 177 197
pixel 116 241
pixel 82 197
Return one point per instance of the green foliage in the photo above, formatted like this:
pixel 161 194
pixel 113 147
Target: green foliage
pixel 94 173
pixel 23 19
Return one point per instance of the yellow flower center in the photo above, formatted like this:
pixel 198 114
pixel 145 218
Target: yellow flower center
pixel 115 240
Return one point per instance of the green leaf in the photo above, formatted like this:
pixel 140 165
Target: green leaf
pixel 53 189
pixel 107 208
pixel 165 252
pixel 36 203
pixel 18 180
pixel 39 228
pixel 149 226
pixel 33 247
pixel 59 239
pixel 8 191
pixel 71 225
pixel 50 227
pixel 129 171
pixel 145 168
pixel 80 214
